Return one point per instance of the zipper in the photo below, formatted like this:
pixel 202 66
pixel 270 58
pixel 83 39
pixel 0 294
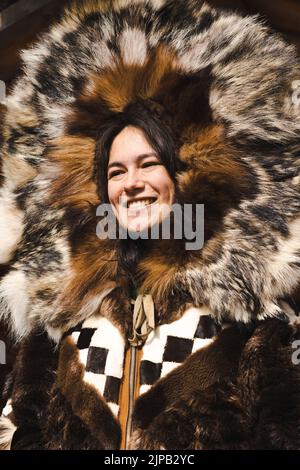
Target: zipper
pixel 131 395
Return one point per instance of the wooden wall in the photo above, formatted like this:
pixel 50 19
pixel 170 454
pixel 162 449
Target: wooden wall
pixel 20 24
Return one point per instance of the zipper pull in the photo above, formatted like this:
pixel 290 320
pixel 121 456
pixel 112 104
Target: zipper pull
pixel 143 319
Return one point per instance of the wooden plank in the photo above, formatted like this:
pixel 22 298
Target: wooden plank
pixel 6 3
pixel 22 34
pixel 18 11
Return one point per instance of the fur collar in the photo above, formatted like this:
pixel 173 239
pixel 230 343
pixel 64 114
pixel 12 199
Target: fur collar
pixel 239 140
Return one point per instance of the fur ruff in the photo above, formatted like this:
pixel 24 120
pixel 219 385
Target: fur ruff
pixel 227 82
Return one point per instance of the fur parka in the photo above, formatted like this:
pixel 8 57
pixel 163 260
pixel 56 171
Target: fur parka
pixel 221 370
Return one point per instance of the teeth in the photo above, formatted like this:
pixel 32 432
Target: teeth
pixel 141 203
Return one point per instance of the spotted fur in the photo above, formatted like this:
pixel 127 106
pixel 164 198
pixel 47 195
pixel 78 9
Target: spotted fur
pixel 227 82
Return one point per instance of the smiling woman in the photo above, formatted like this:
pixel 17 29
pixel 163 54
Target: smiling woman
pixel 139 186
pixel 137 167
pixel 147 344
pixel 136 161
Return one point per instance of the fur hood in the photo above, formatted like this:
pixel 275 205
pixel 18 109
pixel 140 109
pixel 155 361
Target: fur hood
pixel 228 83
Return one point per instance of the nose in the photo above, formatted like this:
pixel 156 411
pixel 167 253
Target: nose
pixel 133 181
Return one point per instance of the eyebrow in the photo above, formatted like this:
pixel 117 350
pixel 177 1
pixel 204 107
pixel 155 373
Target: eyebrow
pixel 139 158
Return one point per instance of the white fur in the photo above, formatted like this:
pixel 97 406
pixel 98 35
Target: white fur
pixel 93 304
pixel 11 226
pixel 278 266
pixel 22 92
pixel 133 46
pixel 34 57
pixel 296 180
pixel 56 115
pixel 57 32
pixel 157 3
pixel 231 26
pixel 102 58
pixel 14 300
pixel 54 333
pixel 184 327
pixel 107 335
pixel 271 309
pixel 7 409
pixel 7 429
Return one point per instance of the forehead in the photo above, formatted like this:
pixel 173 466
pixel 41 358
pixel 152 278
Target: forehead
pixel 130 144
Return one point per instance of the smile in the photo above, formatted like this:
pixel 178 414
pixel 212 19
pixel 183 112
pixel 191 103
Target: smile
pixel 141 203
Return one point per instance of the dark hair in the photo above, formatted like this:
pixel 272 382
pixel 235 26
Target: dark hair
pixel 152 119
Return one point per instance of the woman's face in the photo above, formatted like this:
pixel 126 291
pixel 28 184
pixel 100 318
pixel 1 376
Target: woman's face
pixel 140 188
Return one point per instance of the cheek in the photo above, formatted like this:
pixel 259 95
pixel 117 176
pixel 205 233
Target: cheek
pixel 164 185
pixel 113 192
pixel 109 192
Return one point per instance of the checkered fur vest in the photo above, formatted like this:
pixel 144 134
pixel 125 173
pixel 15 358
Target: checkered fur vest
pixel 220 369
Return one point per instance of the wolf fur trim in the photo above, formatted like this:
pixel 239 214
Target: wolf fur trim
pixel 227 81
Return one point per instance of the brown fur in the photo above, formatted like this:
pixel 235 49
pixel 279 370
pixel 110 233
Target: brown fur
pixel 70 168
pixel 250 409
pixel 159 79
pixel 109 93
pixel 82 9
pixel 215 176
pixel 65 430
pixel 85 401
pixel 73 186
pixel 29 385
pixel 75 78
pixel 94 266
pixel 225 396
pixel 141 81
pixel 199 372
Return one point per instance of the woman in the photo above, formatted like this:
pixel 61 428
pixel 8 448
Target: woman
pixel 142 343
pixel 137 144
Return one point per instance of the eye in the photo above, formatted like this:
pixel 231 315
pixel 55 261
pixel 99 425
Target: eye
pixel 152 163
pixel 115 173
